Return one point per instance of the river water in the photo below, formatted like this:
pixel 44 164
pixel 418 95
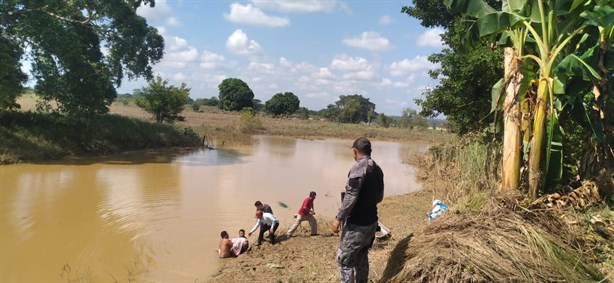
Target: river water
pixel 157 216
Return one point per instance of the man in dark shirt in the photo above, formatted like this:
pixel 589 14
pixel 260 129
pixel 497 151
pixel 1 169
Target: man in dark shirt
pixel 263 207
pixel 358 213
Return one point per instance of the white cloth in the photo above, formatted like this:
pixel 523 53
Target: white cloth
pixel 237 245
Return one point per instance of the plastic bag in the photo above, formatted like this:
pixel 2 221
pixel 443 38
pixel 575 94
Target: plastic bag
pixel 437 209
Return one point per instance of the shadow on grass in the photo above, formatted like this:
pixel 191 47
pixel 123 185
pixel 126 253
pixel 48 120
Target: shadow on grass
pixel 397 259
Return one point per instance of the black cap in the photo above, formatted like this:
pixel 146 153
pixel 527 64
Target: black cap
pixel 363 145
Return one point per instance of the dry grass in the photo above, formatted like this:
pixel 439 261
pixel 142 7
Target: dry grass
pixel 223 127
pixel 486 236
pixel 502 243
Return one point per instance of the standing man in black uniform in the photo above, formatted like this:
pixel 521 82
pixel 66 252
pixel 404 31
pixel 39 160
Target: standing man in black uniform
pixel 358 213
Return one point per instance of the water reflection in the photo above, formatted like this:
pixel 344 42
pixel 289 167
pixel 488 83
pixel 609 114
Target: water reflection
pixel 156 216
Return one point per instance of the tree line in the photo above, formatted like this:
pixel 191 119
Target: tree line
pixel 165 102
pixel 80 51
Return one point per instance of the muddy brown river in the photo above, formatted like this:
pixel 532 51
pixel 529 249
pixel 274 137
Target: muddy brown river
pixel 157 216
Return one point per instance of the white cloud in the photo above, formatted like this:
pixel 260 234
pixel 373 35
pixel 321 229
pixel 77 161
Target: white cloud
pixel 211 81
pixel 324 73
pixel 251 15
pixel 264 68
pixel 301 68
pixel 172 21
pixel 419 63
pixel 178 52
pixel 385 20
pixel 179 77
pixel 386 82
pixel 430 38
pixel 161 13
pixel 346 63
pixel 239 43
pixel 322 94
pixel 298 5
pixel 364 75
pixel 368 40
pixel 210 60
pixel 284 62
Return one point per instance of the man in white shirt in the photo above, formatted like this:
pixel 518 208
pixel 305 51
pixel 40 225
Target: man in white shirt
pixel 266 221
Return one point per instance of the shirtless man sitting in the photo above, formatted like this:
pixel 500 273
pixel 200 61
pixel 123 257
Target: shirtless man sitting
pixel 225 245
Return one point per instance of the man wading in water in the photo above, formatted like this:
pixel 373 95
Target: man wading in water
pixel 358 213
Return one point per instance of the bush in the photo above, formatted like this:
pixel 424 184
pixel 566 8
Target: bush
pixel 248 121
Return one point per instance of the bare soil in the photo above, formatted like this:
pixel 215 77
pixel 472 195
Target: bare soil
pixel 304 258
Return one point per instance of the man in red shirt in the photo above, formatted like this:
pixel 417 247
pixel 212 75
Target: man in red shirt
pixel 306 212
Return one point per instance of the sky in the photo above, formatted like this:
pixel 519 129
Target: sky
pixel 316 49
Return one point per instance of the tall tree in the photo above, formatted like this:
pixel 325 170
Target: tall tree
pixel 65 41
pixel 164 101
pixel 11 76
pixel 354 108
pixel 460 95
pixel 235 95
pixel 282 104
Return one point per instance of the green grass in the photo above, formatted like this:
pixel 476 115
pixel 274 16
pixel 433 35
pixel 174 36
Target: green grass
pixel 29 136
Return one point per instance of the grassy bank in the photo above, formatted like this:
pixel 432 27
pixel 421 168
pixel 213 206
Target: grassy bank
pixel 29 136
pixel 490 235
pixel 228 128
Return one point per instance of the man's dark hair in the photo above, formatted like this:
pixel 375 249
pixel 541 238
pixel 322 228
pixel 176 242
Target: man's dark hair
pixel 224 234
pixel 312 194
pixel 241 230
pixel 362 145
pixel 258 203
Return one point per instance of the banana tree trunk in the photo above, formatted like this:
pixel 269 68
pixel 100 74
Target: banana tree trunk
pixel 537 140
pixel 511 121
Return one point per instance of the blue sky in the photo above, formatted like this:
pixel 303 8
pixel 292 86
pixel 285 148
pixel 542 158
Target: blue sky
pixel 317 49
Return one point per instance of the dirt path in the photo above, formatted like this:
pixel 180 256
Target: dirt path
pixel 305 258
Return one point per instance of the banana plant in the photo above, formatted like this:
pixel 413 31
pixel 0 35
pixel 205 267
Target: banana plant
pixel 542 32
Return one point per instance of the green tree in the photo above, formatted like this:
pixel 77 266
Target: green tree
pixel 64 40
pixel 164 101
pixel 303 113
pixel 406 116
pixel 282 104
pixel 11 76
pixel 331 112
pixel 213 101
pixel 410 119
pixel 383 120
pixel 560 44
pixel 235 95
pixel 461 95
pixel 258 106
pixel 350 109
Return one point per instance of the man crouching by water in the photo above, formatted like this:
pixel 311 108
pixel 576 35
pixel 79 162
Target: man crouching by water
pixel 225 245
pixel 266 222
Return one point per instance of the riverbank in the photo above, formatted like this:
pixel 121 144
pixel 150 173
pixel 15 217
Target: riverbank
pixel 27 136
pixel 486 236
pixel 304 258
pixel 35 137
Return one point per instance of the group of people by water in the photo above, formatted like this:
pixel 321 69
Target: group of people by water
pixel 356 219
pixel 266 221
